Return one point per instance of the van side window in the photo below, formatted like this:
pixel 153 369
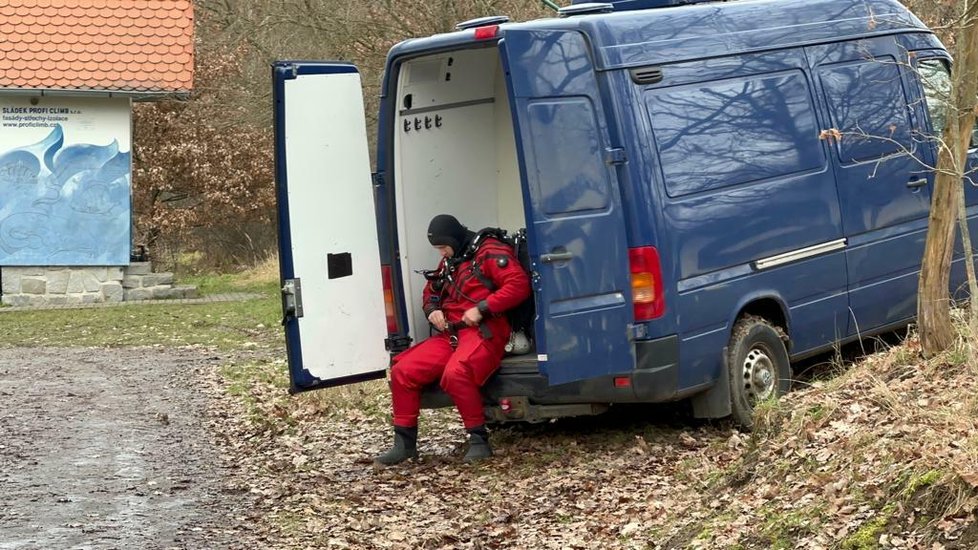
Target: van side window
pixel 576 179
pixel 717 134
pixel 868 105
pixel 936 81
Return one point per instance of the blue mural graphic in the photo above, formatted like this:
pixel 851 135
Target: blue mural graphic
pixel 64 205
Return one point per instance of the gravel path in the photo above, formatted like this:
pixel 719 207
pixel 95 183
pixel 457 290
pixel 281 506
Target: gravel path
pixel 109 448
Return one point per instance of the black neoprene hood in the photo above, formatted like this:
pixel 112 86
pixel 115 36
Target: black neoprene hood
pixel 445 230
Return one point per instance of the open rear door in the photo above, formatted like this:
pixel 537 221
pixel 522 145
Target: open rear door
pixel 572 195
pixel 333 298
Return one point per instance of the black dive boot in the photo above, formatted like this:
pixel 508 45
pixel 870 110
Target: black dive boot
pixel 405 447
pixel 479 448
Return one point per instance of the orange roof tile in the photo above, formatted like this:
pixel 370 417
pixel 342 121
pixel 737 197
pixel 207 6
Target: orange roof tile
pixel 139 46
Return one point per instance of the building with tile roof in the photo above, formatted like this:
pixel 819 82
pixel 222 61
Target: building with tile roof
pixel 69 72
pixel 134 47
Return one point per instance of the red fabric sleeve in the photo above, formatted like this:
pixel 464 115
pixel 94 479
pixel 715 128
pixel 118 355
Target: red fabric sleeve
pixel 431 300
pixel 499 265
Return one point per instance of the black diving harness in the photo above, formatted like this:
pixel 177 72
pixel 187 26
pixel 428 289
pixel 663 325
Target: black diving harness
pixel 439 278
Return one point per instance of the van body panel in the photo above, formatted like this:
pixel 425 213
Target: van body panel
pixel 925 52
pixel 959 279
pixel 575 219
pixel 335 331
pixel 884 187
pixel 736 186
pixel 640 37
pixel 727 161
pixel 384 206
pixel 808 292
pixel 654 380
pixel 701 31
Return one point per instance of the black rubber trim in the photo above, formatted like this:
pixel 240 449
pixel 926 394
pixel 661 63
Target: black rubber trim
pixel 320 384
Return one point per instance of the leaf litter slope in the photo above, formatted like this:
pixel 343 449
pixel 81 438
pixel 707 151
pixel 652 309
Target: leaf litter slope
pixel 882 456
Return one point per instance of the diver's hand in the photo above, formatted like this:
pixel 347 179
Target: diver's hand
pixel 472 317
pixel 437 320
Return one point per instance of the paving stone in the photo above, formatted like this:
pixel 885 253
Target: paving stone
pixel 187 291
pixel 25 271
pixel 136 294
pixel 139 268
pixel 58 281
pixel 157 279
pixel 10 281
pixel 174 293
pixel 16 300
pixel 83 298
pixel 112 292
pixel 21 302
pixel 83 281
pixel 33 285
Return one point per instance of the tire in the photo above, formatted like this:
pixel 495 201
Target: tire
pixel 758 366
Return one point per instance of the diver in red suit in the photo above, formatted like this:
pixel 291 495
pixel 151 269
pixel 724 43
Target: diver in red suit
pixel 477 280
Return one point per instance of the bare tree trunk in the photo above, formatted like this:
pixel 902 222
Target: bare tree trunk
pixel 933 306
pixel 933 300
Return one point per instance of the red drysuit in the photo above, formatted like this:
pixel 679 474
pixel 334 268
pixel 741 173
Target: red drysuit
pixel 464 369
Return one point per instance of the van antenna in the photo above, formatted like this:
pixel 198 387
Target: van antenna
pixel 551 4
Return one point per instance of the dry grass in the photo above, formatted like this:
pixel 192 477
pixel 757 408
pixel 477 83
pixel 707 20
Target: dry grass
pixel 261 274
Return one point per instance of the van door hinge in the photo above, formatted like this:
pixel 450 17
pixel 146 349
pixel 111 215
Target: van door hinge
pixel 615 156
pixel 291 299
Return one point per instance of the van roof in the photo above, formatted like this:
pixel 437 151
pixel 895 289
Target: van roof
pixel 640 37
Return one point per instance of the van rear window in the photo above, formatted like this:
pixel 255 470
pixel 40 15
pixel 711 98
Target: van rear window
pixel 869 107
pixel 717 134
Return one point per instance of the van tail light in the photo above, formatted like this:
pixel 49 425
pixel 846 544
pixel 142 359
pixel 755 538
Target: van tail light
pixel 647 290
pixel 623 382
pixel 389 299
pixel 486 33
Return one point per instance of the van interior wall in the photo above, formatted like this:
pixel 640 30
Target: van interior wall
pixel 454 153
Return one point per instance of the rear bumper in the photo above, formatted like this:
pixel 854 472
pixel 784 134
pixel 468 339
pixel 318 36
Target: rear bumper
pixel 654 378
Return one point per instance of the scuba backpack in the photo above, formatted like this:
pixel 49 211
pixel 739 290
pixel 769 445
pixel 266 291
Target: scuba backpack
pixel 522 317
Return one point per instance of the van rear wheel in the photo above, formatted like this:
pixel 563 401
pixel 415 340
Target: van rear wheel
pixel 758 365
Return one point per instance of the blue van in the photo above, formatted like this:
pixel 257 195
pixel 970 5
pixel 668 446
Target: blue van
pixel 709 192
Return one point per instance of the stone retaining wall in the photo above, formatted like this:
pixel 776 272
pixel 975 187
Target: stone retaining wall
pixel 34 286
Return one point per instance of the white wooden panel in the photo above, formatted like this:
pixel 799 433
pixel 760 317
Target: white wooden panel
pixel 332 212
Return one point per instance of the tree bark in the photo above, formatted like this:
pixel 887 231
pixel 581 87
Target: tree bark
pixel 933 302
pixel 933 299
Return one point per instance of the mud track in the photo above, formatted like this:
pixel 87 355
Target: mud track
pixel 110 448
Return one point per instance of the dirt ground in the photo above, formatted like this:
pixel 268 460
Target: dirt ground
pixel 110 448
pixel 148 448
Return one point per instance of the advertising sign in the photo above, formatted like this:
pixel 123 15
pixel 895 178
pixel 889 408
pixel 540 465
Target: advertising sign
pixel 65 173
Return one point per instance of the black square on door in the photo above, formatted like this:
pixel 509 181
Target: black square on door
pixel 339 265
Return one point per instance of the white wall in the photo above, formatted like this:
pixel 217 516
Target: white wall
pixel 466 168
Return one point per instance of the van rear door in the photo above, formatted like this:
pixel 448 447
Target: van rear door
pixel 333 299
pixel 573 204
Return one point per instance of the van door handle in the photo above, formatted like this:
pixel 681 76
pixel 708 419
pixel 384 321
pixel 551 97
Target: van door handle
pixel 553 257
pixel 916 184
